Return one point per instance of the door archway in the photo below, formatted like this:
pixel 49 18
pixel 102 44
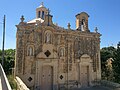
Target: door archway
pixel 85 70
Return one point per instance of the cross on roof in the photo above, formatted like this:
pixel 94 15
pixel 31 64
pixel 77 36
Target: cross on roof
pixel 48 16
pixel 48 11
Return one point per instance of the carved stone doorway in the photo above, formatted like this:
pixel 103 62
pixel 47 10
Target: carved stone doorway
pixel 47 78
pixel 85 76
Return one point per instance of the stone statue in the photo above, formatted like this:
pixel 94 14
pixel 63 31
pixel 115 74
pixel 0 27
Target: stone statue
pixel 31 51
pixel 62 52
pixel 48 38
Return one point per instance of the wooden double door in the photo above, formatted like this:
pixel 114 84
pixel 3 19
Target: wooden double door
pixel 47 78
pixel 84 76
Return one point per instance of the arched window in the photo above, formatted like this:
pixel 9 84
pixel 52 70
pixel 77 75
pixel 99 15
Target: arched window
pixel 83 24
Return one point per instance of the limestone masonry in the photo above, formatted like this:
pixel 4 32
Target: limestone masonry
pixel 49 57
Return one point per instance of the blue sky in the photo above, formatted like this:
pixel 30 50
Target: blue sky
pixel 104 14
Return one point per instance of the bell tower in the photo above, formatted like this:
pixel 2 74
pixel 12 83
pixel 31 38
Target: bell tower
pixel 82 22
pixel 41 11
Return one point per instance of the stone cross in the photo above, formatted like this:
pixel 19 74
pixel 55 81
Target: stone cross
pixel 68 25
pixel 96 30
pixel 22 18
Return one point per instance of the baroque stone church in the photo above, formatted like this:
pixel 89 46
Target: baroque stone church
pixel 49 57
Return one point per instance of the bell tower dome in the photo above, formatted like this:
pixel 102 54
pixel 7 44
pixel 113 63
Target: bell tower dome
pixel 41 11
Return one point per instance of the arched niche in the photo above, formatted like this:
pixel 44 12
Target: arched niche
pixel 48 37
pixel 30 50
pixel 61 52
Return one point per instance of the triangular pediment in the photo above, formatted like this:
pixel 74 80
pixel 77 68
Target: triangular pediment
pixel 47 52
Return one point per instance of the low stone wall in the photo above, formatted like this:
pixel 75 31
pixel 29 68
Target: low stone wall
pixel 4 81
pixel 112 85
pixel 20 84
pixel 71 84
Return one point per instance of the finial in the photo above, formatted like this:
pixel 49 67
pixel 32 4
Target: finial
pixel 118 45
pixel 96 30
pixel 42 3
pixel 69 26
pixel 22 18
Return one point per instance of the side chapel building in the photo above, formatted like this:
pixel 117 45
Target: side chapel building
pixel 49 57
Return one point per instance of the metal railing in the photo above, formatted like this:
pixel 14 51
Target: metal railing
pixel 4 81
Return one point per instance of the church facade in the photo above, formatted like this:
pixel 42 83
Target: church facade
pixel 49 57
